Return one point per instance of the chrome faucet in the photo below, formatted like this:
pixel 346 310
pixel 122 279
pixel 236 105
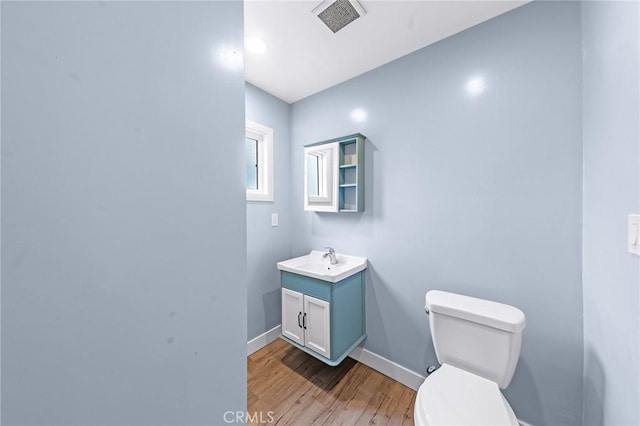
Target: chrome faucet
pixel 331 254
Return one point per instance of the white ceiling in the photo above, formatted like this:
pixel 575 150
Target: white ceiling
pixel 304 57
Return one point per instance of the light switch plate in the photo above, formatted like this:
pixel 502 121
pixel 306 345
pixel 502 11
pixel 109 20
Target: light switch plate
pixel 274 219
pixel 634 234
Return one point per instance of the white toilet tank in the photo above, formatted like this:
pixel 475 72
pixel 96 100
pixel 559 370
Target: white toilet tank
pixel 476 335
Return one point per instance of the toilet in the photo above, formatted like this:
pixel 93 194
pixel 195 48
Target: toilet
pixel 477 343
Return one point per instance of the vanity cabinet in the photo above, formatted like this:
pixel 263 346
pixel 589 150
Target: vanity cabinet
pixel 306 321
pixel 324 319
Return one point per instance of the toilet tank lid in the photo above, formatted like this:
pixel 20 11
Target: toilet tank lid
pixel 492 314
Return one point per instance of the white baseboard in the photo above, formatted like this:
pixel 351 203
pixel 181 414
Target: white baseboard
pixel 387 367
pixel 263 340
pixel 407 377
pixel 379 363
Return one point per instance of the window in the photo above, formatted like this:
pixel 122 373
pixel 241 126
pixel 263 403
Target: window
pixel 251 146
pixel 259 162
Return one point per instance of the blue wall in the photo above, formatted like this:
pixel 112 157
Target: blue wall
pixel 123 214
pixel 611 275
pixel 478 195
pixel 267 245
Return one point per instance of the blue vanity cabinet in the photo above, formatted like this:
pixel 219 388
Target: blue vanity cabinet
pixel 324 319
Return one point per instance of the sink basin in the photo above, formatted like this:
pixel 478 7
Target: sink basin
pixel 315 266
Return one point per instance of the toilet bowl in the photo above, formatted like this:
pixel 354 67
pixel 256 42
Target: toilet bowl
pixel 451 396
pixel 478 344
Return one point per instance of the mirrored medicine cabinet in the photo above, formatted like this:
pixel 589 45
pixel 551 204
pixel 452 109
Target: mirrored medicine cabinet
pixel 334 175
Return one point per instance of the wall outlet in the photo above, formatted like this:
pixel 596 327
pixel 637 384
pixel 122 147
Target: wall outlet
pixel 634 234
pixel 274 219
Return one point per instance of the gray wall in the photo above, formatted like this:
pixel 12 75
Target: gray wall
pixel 267 245
pixel 123 214
pixel 611 275
pixel 477 195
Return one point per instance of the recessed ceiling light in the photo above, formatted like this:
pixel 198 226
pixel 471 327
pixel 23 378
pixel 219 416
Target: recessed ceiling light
pixel 255 45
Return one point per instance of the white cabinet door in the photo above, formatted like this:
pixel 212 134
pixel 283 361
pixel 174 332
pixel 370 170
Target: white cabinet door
pixel 316 324
pixel 292 307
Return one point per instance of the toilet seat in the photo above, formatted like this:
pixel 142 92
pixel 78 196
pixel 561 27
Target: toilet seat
pixel 451 396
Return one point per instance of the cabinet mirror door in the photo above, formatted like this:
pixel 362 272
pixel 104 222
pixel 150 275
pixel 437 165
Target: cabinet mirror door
pixel 320 171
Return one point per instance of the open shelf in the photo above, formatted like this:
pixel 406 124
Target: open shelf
pixel 351 174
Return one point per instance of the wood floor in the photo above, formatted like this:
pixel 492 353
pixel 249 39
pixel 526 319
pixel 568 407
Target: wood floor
pixel 288 387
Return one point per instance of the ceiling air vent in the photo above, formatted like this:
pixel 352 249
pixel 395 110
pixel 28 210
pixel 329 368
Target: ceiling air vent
pixel 339 13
